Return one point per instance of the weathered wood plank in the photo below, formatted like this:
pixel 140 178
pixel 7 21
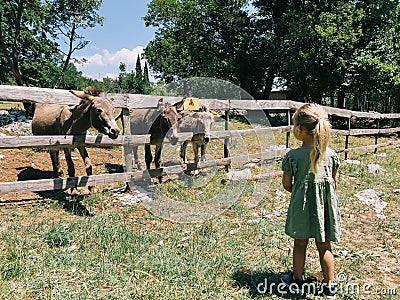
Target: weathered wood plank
pixel 59 141
pixel 38 95
pixel 58 96
pixel 215 104
pixel 248 132
pixel 64 183
pixel 390 116
pixel 140 101
pixel 10 142
pixel 355 132
pixel 389 130
pixel 340 132
pixel 369 147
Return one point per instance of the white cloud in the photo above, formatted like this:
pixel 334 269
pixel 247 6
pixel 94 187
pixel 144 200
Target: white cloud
pixel 106 63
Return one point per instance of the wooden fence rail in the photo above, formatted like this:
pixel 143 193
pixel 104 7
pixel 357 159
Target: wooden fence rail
pixel 128 101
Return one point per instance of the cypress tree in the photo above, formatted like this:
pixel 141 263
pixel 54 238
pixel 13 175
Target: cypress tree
pixel 139 76
pixel 146 80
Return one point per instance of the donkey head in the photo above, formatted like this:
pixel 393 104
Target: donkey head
pixel 101 113
pixel 203 125
pixel 169 120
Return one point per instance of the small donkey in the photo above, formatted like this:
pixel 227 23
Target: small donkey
pixel 199 123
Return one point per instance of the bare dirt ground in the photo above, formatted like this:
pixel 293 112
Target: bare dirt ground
pixel 30 164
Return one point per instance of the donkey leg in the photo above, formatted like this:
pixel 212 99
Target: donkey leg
pixel 203 152
pixel 136 158
pixel 71 167
pixel 70 163
pixel 157 155
pixel 55 161
pixel 196 156
pixel 157 159
pixel 183 157
pixel 85 156
pixel 88 164
pixel 147 156
pixel 196 152
pixel 182 153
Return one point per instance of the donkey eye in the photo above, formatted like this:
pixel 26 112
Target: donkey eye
pixel 99 111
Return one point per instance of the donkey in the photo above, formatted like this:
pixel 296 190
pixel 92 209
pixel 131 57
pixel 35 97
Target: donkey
pixel 55 119
pixel 159 123
pixel 199 123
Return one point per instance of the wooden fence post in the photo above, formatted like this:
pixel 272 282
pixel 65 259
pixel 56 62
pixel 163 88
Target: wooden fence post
pixel 377 135
pixel 226 141
pixel 128 149
pixel 346 146
pixel 288 133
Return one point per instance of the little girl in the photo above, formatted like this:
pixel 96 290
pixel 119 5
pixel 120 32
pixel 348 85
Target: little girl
pixel 309 173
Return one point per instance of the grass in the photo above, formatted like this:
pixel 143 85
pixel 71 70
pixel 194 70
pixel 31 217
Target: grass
pixel 4 105
pixel 125 252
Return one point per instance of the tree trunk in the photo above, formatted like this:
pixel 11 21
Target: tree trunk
pixel 332 98
pixel 14 59
pixel 268 82
pixel 341 103
pixel 67 59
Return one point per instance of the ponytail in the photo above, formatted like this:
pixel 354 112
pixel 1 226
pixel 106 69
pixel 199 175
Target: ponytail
pixel 322 134
pixel 313 118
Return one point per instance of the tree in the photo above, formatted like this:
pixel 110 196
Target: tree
pixel 348 50
pixel 332 48
pixel 204 38
pixel 68 17
pixel 146 80
pixel 28 55
pixel 138 81
pixel 23 39
pixel 25 47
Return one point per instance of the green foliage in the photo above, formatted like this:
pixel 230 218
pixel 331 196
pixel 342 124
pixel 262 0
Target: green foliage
pixel 67 18
pixel 29 37
pixel 203 39
pixel 320 50
pixel 136 82
pixel 26 51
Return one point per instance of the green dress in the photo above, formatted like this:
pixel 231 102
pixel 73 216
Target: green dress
pixel 313 210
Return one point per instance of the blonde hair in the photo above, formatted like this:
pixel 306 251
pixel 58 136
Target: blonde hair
pixel 314 120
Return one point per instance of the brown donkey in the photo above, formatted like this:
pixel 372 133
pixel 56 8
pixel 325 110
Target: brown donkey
pixel 160 124
pixel 55 119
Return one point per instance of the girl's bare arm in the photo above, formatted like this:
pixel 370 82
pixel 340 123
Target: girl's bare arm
pixel 287 181
pixel 334 175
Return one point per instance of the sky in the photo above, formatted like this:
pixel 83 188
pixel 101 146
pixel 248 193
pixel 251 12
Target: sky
pixel 121 38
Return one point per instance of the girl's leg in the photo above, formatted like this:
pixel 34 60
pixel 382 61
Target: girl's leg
pixel 299 257
pixel 326 260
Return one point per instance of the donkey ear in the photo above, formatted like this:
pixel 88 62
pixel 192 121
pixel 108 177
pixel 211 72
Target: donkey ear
pixel 204 108
pixel 81 96
pixel 179 104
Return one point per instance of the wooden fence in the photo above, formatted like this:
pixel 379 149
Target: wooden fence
pixel 127 101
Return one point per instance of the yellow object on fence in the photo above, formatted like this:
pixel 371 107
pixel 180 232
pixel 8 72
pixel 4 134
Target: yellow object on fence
pixel 191 104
